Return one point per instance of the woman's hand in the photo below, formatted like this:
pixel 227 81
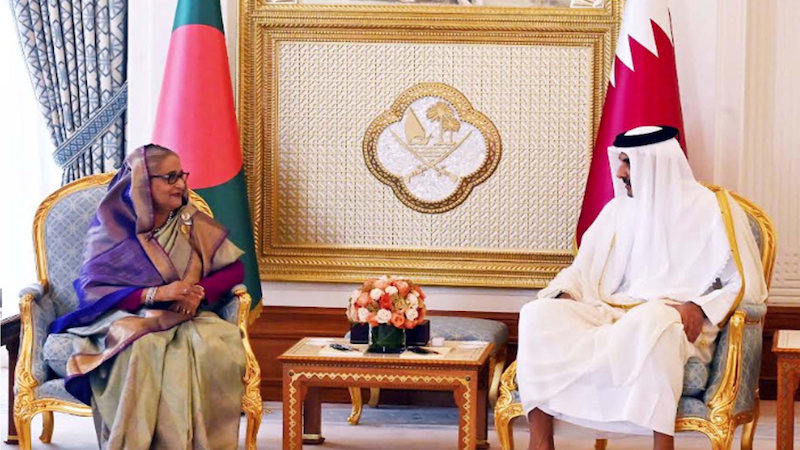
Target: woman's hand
pixel 187 296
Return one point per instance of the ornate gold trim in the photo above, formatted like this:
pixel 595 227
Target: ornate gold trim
pixel 26 405
pixel 262 27
pixel 466 113
pixel 251 398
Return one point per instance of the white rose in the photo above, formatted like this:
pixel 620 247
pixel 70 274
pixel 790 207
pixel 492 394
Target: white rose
pixel 415 293
pixel 384 315
pixel 391 290
pixel 414 302
pixel 412 314
pixel 355 295
pixel 384 278
pixel 412 298
pixel 375 294
pixel 363 314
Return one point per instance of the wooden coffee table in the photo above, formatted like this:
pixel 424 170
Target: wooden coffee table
pixel 786 346
pixel 464 370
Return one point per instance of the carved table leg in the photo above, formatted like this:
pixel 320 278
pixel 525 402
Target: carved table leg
pixel 312 417
pixel 293 393
pixel 466 397
pixel 788 373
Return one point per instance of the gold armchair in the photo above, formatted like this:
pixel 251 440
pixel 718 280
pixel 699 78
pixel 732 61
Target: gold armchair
pixel 59 229
pixel 727 397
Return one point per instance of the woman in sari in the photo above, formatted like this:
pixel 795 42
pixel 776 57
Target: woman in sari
pixel 159 368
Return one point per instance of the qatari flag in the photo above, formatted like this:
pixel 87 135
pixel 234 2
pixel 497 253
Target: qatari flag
pixel 642 91
pixel 197 119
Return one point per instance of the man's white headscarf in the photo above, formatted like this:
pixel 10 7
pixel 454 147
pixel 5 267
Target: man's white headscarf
pixel 669 241
pixel 670 235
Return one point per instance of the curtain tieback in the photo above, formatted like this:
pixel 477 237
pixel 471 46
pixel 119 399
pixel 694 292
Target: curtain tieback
pixel 66 153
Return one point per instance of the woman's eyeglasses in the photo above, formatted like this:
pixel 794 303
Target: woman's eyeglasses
pixel 173 177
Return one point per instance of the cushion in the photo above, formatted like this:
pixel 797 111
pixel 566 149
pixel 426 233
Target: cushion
pixel 695 378
pixel 57 349
pixel 469 329
pixel 691 407
pixel 55 389
pixel 64 234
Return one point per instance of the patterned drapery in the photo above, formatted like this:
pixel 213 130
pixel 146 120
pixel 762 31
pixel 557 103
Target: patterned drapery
pixel 76 53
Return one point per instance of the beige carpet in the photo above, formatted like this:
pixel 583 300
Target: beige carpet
pixel 390 428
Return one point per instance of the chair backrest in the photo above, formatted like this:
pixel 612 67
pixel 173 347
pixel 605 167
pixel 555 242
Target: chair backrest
pixel 59 235
pixel 762 228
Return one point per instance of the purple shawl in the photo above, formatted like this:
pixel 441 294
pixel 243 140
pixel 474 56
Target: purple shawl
pixel 120 255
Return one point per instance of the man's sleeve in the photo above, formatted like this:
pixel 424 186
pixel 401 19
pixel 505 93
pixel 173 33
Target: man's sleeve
pixel 568 281
pixel 717 302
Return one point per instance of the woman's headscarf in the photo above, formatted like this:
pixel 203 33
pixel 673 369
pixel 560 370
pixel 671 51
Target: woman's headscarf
pixel 122 253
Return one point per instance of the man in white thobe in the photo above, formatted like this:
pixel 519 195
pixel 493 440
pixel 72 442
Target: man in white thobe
pixel 658 273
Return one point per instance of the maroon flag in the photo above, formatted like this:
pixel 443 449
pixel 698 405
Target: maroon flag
pixel 642 91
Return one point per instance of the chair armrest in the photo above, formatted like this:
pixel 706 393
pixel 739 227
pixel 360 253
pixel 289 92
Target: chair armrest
pixel 733 380
pixel 36 312
pixel 508 384
pixel 251 400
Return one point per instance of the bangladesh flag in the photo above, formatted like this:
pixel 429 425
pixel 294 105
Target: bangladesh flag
pixel 197 119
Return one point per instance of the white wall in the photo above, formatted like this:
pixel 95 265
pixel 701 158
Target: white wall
pixel 711 37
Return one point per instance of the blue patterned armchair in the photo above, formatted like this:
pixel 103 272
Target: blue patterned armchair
pixel 717 397
pixel 59 231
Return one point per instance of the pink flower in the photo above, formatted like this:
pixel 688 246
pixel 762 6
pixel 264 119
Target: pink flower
pixel 363 299
pixel 373 319
pixel 381 283
pixel 403 288
pixel 398 320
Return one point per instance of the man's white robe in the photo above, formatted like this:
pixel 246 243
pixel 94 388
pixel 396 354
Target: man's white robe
pixel 603 362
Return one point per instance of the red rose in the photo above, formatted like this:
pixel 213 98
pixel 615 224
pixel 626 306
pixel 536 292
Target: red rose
pixel 386 302
pixel 411 324
pixel 421 294
pixel 421 312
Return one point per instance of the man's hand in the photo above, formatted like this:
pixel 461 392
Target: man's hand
pixel 565 296
pixel 692 318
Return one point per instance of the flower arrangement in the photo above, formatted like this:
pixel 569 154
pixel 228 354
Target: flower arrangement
pixel 395 301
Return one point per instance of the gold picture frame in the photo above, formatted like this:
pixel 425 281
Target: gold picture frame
pixel 270 33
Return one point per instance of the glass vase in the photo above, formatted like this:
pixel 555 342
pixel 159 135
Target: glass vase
pixel 387 338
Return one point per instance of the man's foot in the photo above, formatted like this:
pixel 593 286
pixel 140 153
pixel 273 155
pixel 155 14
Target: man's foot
pixel 663 441
pixel 541 430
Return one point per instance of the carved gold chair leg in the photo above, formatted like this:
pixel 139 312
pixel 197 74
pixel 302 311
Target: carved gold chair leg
pixel 600 444
pixel 374 397
pixel 504 425
pixel 497 367
pixel 23 424
pixel 253 424
pixel 358 404
pixel 749 429
pixel 722 442
pixel 47 427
